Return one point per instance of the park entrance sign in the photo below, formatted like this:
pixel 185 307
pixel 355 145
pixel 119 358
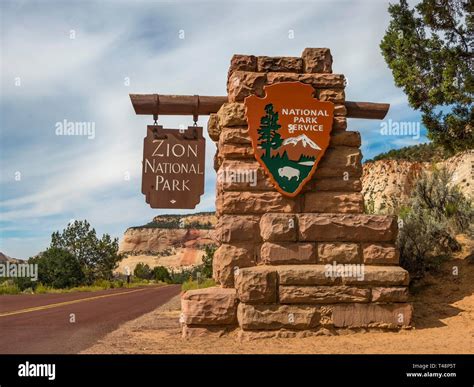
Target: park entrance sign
pixel 290 131
pixel 296 250
pixel 173 167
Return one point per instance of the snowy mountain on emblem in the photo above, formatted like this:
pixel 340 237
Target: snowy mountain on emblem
pixel 303 139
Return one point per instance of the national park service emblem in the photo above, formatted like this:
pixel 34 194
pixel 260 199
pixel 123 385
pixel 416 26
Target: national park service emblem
pixel 290 131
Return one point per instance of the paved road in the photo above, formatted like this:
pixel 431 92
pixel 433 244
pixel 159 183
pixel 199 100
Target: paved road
pixel 42 323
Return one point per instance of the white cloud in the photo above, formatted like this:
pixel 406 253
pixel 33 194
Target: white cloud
pixel 78 178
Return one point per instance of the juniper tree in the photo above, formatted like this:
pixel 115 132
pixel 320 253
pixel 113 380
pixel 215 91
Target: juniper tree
pixel 429 50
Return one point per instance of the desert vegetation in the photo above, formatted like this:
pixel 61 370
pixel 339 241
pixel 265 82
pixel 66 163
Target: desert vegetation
pixel 76 260
pixel 430 221
pixel 199 276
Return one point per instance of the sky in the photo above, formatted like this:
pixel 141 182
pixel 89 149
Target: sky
pixel 78 61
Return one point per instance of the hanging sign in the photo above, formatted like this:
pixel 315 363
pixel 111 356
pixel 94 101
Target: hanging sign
pixel 173 167
pixel 290 131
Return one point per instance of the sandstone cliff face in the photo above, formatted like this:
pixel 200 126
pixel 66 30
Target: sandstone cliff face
pixel 388 183
pixel 158 240
pixel 178 243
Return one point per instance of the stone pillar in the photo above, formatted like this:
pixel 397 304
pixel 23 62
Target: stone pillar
pixel 273 250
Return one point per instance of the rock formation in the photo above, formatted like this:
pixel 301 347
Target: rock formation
pixel 173 241
pixel 386 184
pixel 313 263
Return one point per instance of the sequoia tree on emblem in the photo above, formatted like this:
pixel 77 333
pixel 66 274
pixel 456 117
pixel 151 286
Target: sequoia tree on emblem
pixel 290 131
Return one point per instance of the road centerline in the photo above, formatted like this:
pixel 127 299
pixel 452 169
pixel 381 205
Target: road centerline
pixel 64 303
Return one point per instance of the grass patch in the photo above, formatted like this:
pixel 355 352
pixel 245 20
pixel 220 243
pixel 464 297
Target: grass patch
pixel 8 288
pixel 191 284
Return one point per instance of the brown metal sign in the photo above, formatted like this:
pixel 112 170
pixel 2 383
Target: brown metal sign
pixel 290 131
pixel 173 167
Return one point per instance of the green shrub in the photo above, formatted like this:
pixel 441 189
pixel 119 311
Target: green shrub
pixel 42 289
pixel 161 273
pixel 435 214
pixel 9 287
pixel 98 258
pixel 206 267
pixel 58 268
pixel 103 284
pixel 143 271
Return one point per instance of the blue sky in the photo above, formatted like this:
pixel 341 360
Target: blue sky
pixel 47 77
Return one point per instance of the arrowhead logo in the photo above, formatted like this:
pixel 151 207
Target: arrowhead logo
pixel 290 132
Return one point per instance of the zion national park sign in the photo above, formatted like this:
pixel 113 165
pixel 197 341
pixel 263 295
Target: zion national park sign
pixel 290 131
pixel 173 167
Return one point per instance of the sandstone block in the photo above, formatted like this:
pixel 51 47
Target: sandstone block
pixel 281 64
pixel 287 253
pixel 336 202
pixel 345 138
pixel 308 275
pixel 322 294
pixel 381 276
pixel 340 110
pixel 339 123
pixel 397 294
pixel 282 77
pixel 332 95
pixel 340 161
pixel 372 315
pixel 210 306
pixel 242 202
pixel 278 227
pixel 232 114
pixel 230 258
pixel 380 254
pixel 256 285
pixel 213 128
pixel 271 317
pixel 335 184
pixel 339 252
pixel 238 135
pixel 242 175
pixel 317 60
pixel 243 63
pixel 233 228
pixel 346 227
pixel 236 151
pixel 241 84
pixel 318 81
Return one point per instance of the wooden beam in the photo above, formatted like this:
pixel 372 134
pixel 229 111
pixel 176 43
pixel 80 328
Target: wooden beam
pixel 176 105
pixel 368 110
pixel 204 105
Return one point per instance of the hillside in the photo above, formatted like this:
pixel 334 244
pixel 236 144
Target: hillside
pixel 5 258
pixel 173 241
pixel 388 183
pixel 428 152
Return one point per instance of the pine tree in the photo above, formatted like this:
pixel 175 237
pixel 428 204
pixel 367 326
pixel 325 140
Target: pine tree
pixel 269 137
